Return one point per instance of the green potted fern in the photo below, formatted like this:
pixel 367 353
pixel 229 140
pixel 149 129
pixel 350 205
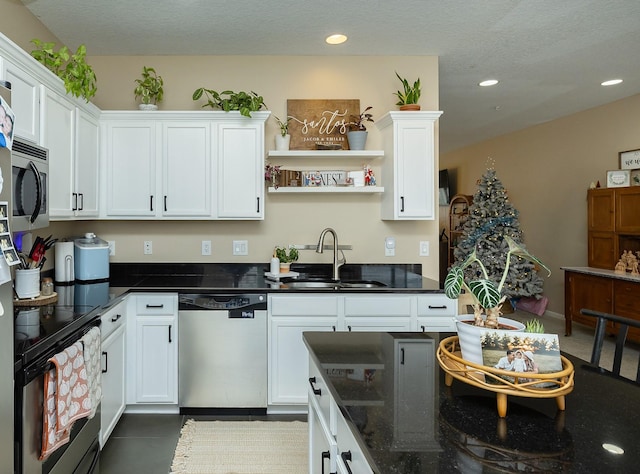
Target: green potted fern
pixel 149 89
pixel 409 95
pixel 244 102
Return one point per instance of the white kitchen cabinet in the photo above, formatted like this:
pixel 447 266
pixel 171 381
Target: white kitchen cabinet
pixel 289 317
pixel 152 344
pixel 25 100
pixel 85 165
pixel 186 169
pixel 436 313
pixel 240 169
pixel 410 166
pixel 378 313
pixel 130 162
pixel 57 129
pixel 113 369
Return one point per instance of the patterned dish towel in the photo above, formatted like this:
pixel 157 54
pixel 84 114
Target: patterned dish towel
pixel 92 342
pixel 66 397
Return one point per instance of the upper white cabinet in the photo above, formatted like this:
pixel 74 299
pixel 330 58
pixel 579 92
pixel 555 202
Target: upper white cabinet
pixel 25 100
pixel 409 168
pixel 183 165
pixel 85 189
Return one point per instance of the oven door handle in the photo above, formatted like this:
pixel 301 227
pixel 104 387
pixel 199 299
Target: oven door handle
pixel 39 192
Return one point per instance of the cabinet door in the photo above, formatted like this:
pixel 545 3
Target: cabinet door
pixel 602 249
pixel 186 169
pixel 626 304
pixel 600 207
pixel 86 165
pixel 25 102
pixel 627 205
pixel 288 358
pixel 240 170
pixel 58 135
pixel 131 169
pixel 587 291
pixel 113 397
pixel 156 359
pixel 322 445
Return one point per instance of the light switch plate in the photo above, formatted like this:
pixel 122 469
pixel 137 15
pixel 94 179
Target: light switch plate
pixel 240 247
pixel 206 247
pixel 424 248
pixel 390 247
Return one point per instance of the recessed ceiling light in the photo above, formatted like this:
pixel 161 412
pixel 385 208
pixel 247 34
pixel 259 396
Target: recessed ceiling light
pixel 488 82
pixel 612 82
pixel 612 448
pixel 336 39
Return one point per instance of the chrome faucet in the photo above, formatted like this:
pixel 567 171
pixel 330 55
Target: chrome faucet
pixel 336 262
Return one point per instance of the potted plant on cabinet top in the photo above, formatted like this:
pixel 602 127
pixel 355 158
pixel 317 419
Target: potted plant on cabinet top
pixel 283 138
pixel 286 255
pixel 78 76
pixel 244 102
pixel 357 134
pixel 149 89
pixel 409 96
pixel 487 298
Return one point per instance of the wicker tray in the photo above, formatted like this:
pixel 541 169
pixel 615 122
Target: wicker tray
pixel 38 301
pixel 552 385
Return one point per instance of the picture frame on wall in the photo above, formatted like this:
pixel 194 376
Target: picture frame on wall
pixel 629 159
pixel 618 178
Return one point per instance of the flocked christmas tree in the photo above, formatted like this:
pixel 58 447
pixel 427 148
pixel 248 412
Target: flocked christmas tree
pixel 491 217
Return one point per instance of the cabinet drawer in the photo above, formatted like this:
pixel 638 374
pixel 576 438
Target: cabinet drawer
pixel 112 320
pixel 323 399
pixel 436 305
pixel 437 324
pixel 156 304
pixel 348 447
pixel 304 305
pixel 626 299
pixel 377 306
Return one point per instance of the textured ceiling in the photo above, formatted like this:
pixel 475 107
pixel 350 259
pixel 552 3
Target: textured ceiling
pixel 549 55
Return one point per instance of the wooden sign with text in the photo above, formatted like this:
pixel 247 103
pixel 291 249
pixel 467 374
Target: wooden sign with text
pixel 323 121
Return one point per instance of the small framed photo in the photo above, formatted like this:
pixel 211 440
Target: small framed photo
pixel 629 159
pixel 635 177
pixel 618 178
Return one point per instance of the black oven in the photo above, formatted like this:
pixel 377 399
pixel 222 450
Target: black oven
pixel 40 333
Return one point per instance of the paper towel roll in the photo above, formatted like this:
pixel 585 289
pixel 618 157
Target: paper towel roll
pixel 64 262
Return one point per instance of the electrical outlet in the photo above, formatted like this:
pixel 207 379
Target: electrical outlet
pixel 112 247
pixel 240 247
pixel 390 247
pixel 424 248
pixel 206 247
pixel 148 247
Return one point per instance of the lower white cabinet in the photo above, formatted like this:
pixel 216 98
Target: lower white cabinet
pixel 113 364
pixel 153 355
pixel 436 313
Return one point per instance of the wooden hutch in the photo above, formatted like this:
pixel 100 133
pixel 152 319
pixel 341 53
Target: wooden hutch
pixel 613 226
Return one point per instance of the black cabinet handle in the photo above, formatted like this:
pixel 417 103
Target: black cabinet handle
pixel 75 202
pixel 258 205
pixel 346 457
pixel 81 206
pixel 170 333
pixel 444 306
pixel 165 204
pixel 325 455
pixel 402 356
pixel 401 203
pixel 349 328
pixel 423 328
pixel 151 202
pixel 334 328
pixel 115 318
pixel 155 306
pixel 316 391
pixel 106 362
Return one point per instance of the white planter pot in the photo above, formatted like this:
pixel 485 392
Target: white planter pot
pixel 282 143
pixel 469 336
pixel 357 139
pixel 148 107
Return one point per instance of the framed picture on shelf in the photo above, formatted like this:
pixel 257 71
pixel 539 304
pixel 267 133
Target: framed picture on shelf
pixel 635 177
pixel 618 178
pixel 629 159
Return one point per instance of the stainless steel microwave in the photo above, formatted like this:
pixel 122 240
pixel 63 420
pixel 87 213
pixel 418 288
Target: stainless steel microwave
pixel 30 186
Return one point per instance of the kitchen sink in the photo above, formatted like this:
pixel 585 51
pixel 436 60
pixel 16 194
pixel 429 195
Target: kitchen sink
pixel 333 284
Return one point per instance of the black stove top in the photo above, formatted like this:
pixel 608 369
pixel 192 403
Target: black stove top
pixel 39 328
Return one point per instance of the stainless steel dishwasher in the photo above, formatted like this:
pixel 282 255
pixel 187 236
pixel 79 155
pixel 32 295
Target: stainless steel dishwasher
pixel 222 353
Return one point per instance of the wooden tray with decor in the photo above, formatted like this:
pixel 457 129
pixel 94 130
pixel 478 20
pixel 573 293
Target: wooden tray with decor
pixel 38 301
pixel 503 382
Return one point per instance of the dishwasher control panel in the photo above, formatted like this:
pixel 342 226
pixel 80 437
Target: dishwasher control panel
pixel 222 302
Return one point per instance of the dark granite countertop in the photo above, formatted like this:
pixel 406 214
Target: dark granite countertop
pixel 465 433
pixel 235 277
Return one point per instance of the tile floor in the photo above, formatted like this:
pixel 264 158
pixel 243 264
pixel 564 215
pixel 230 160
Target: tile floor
pixel 144 444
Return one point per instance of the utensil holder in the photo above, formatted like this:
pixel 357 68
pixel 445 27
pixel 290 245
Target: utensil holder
pixel 27 284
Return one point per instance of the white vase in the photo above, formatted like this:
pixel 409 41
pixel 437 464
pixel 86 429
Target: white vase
pixel 357 139
pixel 148 107
pixel 282 143
pixel 469 336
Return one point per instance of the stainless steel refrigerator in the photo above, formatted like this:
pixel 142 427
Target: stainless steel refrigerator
pixel 6 325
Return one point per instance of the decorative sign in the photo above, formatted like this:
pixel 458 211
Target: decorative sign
pixel 618 178
pixel 629 160
pixel 320 121
pixel 325 178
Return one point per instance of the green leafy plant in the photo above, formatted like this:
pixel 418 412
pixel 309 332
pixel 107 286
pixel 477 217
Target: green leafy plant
pixel 286 254
pixel 486 294
pixel 78 76
pixel 244 102
pixel 150 88
pixel 409 94
pixel 534 325
pixel 284 125
pixel 357 121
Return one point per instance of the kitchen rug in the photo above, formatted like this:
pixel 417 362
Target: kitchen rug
pixel 242 447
